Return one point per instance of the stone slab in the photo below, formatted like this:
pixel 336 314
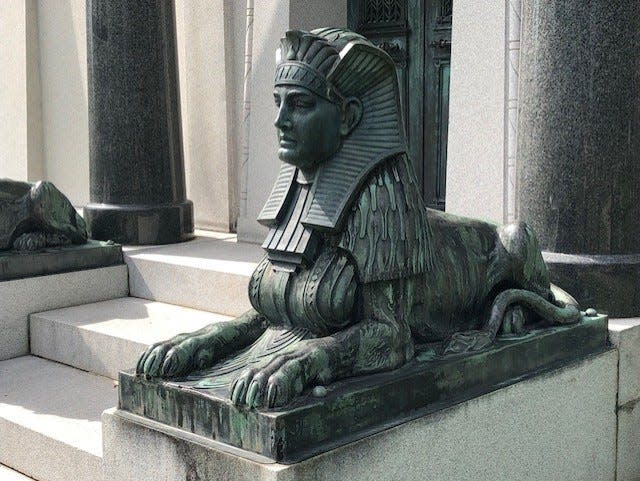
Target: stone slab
pixel 628 453
pixel 207 273
pixel 625 336
pixel 554 426
pixel 107 337
pixel 7 474
pixel 21 297
pixel 50 419
pixel 351 409
pixel 91 255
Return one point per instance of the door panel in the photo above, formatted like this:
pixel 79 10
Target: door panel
pixel 417 35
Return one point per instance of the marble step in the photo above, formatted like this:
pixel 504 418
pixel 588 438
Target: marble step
pixel 50 426
pixel 8 474
pixel 107 337
pixel 21 297
pixel 209 273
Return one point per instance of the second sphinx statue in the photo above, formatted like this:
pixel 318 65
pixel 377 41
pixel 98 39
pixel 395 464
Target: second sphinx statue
pixel 37 215
pixel 357 270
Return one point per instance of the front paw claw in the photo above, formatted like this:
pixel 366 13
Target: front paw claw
pixel 275 385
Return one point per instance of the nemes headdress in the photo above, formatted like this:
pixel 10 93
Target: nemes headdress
pixel 337 64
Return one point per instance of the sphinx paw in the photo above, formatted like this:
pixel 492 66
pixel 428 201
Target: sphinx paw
pixel 167 359
pixel 276 384
pixel 30 242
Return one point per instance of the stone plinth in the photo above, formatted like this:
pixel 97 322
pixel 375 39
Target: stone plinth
pixel 579 146
pixel 136 160
pixel 358 407
pixel 558 425
pixel 56 260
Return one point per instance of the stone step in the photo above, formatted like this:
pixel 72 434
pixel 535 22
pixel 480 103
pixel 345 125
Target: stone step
pixel 107 337
pixel 209 273
pixel 50 425
pixel 8 474
pixel 21 297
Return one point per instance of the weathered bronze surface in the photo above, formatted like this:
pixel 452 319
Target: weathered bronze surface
pixel 35 216
pixel 358 273
pixel 357 407
pixel 56 260
pixel 41 233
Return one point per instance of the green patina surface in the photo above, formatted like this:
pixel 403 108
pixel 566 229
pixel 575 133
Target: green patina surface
pixel 357 407
pixel 56 260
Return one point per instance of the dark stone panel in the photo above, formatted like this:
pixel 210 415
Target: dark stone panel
pixel 358 407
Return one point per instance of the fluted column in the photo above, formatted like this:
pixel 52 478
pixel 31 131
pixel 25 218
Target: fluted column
pixel 136 158
pixel 579 146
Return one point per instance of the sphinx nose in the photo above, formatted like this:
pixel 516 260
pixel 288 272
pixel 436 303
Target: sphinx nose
pixel 283 119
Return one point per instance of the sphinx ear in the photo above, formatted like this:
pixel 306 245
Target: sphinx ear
pixel 351 115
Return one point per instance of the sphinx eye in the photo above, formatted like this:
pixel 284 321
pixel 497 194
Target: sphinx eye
pixel 276 99
pixel 303 101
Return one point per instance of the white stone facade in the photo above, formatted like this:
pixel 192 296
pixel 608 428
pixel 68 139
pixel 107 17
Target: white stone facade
pixel 226 55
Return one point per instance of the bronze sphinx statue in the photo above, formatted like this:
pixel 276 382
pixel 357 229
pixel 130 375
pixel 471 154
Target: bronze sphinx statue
pixel 357 270
pixel 37 215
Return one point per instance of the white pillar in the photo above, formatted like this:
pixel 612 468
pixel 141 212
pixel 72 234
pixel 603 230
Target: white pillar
pixel 477 125
pixel 20 112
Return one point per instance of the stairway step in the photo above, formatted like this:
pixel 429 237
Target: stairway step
pixel 206 273
pixel 21 297
pixel 107 337
pixel 50 425
pixel 8 474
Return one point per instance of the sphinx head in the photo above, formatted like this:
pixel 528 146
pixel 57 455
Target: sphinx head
pixel 313 117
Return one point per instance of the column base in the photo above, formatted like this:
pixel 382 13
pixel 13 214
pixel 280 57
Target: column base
pixel 140 224
pixel 608 283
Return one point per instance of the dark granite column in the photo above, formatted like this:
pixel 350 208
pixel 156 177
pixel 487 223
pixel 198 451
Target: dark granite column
pixel 137 168
pixel 578 156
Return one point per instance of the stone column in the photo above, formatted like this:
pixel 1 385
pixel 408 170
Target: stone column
pixel 136 160
pixel 579 146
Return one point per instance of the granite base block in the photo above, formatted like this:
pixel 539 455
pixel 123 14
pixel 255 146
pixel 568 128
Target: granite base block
pixel 557 425
pixel 624 335
pixel 628 452
pixel 362 406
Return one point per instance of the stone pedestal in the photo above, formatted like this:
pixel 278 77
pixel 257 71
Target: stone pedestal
pixel 136 159
pixel 355 408
pixel 559 425
pixel 579 146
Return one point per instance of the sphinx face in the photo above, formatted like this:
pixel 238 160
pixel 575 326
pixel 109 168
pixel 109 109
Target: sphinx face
pixel 308 127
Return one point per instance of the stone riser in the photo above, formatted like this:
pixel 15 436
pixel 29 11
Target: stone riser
pixel 19 298
pixel 107 337
pixel 50 419
pixel 207 274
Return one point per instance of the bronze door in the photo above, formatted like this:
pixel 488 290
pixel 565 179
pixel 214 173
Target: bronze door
pixel 417 35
